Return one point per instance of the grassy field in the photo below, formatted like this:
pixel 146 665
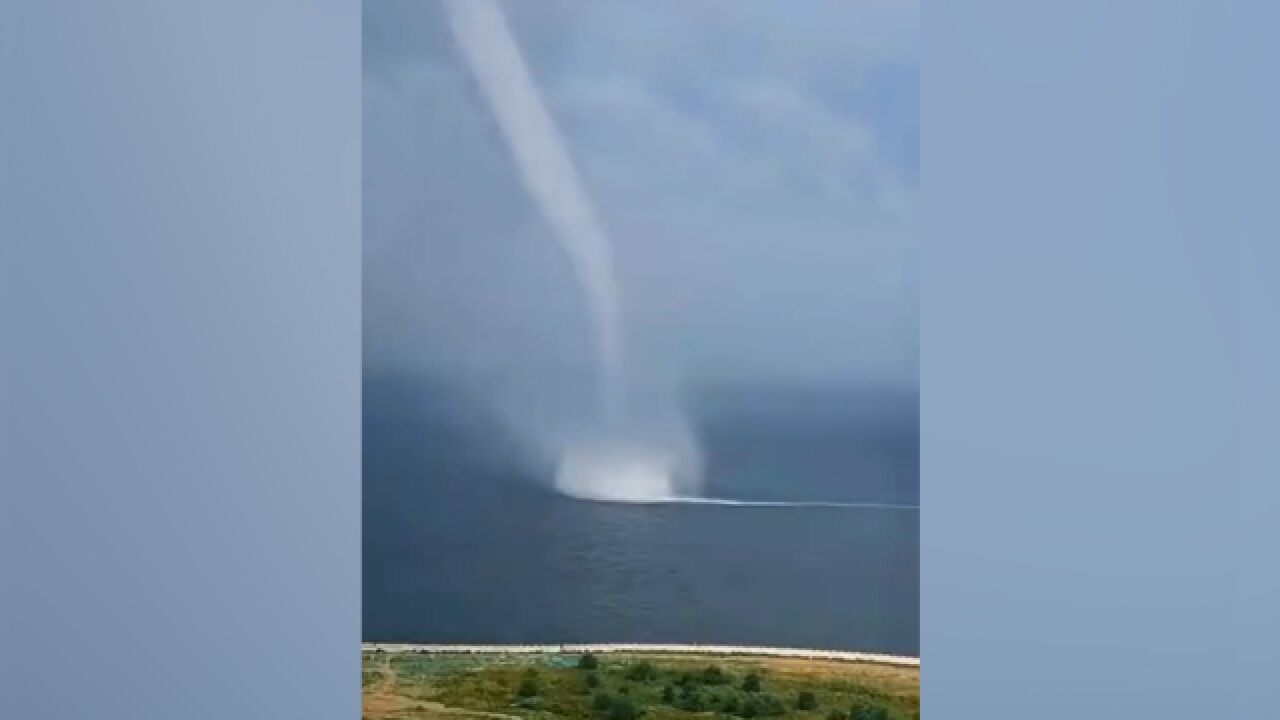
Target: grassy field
pixel 618 686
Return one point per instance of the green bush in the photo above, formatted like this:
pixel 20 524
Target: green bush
pixel 669 695
pixel 771 705
pixel 642 671
pixel 601 703
pixel 624 708
pixel 806 700
pixel 751 683
pixel 691 699
pixel 713 675
pixel 762 705
pixel 867 710
pixel 615 707
pixel 528 686
pixel 588 662
pixel 837 715
pixel 593 681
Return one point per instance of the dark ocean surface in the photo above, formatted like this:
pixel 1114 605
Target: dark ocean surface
pixel 460 546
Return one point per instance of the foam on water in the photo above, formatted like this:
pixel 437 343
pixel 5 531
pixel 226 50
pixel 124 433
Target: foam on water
pixel 628 470
pixel 654 475
pixel 729 502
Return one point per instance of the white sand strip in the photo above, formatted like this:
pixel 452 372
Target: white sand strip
pixel 600 648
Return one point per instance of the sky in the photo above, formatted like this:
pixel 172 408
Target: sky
pixel 755 165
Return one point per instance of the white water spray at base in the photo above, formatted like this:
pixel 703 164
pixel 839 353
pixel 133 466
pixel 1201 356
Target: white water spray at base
pixel 631 467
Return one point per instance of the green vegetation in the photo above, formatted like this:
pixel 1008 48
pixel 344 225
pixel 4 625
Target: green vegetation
pixel 528 685
pixel 615 707
pixel 691 699
pixel 713 675
pixel 868 710
pixel 633 687
pixel 641 672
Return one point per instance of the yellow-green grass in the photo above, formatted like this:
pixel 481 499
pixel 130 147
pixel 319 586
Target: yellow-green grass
pixel 402 686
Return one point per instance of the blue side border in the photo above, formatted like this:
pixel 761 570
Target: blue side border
pixel 180 359
pixel 1098 423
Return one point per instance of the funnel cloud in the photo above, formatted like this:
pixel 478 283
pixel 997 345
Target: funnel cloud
pixel 548 173
pixel 609 464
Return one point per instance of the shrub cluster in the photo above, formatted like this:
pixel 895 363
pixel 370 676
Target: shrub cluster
pixel 748 701
pixel 642 671
pixel 615 707
pixel 862 709
pixel 713 675
pixel 529 685
pixel 710 689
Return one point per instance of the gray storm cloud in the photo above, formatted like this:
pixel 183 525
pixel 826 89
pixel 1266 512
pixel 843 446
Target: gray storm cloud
pixel 755 167
pixel 739 214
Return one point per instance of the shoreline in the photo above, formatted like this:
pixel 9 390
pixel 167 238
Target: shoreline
pixel 653 648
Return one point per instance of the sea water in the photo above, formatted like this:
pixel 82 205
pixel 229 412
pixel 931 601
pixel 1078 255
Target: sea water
pixel 460 546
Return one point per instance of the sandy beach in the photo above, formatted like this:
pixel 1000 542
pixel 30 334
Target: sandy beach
pixel 600 648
